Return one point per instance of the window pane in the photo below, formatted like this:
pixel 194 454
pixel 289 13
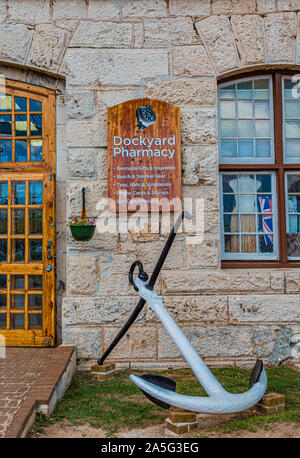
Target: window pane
pixel 245 128
pixel 232 243
pixel 263 148
pixel 5 150
pixel 36 250
pixel 3 281
pixel 262 128
pixel 292 149
pixel 228 129
pixel 244 90
pixel 245 109
pixel 21 150
pixel 21 125
pixel 264 183
pixel 36 192
pixel 36 221
pixel 35 282
pixel 36 125
pixel 17 301
pixel 262 110
pixel 36 150
pixel 35 105
pixel 5 102
pixel 17 321
pixel 293 183
pixel 18 250
pixel 18 193
pixel 227 109
pixel 228 92
pixel 292 109
pixel 3 222
pixel 35 320
pixel 17 282
pixel 292 129
pixel 3 193
pixel 262 89
pixel 3 301
pixel 3 318
pixel 18 221
pixel 3 250
pixel 20 104
pixel 228 148
pixel 245 148
pixel 35 301
pixel 5 125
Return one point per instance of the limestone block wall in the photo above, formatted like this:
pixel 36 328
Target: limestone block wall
pixel 110 51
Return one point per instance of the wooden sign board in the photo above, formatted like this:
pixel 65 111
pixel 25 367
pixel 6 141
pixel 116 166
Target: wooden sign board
pixel 144 155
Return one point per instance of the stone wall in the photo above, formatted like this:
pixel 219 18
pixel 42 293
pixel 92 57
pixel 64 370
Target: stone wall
pixel 111 51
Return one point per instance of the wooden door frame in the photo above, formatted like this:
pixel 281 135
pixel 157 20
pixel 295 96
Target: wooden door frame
pixel 46 172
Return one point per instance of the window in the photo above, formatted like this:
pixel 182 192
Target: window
pixel 259 150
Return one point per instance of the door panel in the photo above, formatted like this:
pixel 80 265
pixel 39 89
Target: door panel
pixel 27 215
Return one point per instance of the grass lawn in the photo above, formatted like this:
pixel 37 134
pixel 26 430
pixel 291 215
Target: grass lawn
pixel 118 403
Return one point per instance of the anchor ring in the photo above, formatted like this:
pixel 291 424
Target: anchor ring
pixel 142 274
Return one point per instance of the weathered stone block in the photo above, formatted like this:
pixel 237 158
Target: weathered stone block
pixel 169 31
pixel 82 274
pixel 15 40
pixel 206 254
pixel 191 92
pixel 99 242
pixel 111 283
pixel 95 190
pixel 48 46
pixel 115 67
pixel 140 342
pixel 288 5
pixel 109 98
pixel 86 134
pixel 86 340
pixel 81 104
pixel 81 163
pixel 266 6
pixel 191 61
pixel 112 310
pixel 281 30
pixel 103 34
pixel 221 282
pixel 220 342
pixel 197 309
pixel 191 8
pixel 200 165
pixel 264 309
pixel 219 42
pixel 292 280
pixel 233 6
pixel 249 32
pixel 103 9
pixel 181 428
pixel 104 372
pixel 198 125
pixel 144 8
pixel 68 9
pixel 33 12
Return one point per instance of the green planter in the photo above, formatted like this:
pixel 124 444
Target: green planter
pixel 82 233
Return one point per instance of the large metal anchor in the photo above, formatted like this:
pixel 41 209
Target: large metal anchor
pixel 161 390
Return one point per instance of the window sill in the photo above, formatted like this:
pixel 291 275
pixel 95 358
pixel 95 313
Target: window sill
pixel 259 265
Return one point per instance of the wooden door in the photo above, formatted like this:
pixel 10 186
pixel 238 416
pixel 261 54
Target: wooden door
pixel 27 215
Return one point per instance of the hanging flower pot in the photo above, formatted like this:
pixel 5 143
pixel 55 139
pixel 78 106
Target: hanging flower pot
pixel 82 228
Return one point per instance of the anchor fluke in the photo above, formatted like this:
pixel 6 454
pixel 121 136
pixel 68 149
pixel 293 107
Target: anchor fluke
pixel 256 371
pixel 163 382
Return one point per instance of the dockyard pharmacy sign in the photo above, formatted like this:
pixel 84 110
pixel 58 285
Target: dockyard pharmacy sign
pixel 144 155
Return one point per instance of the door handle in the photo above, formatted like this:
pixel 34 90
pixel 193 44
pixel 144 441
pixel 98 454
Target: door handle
pixel 49 268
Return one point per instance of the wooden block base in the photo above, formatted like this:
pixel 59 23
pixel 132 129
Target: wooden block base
pixel 270 404
pixel 104 372
pixel 181 428
pixel 181 421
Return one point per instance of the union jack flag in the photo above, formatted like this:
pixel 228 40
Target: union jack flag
pixel 267 220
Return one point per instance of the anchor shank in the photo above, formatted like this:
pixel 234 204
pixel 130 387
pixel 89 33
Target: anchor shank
pixel 201 371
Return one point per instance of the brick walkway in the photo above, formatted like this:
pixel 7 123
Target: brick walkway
pixel 28 377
